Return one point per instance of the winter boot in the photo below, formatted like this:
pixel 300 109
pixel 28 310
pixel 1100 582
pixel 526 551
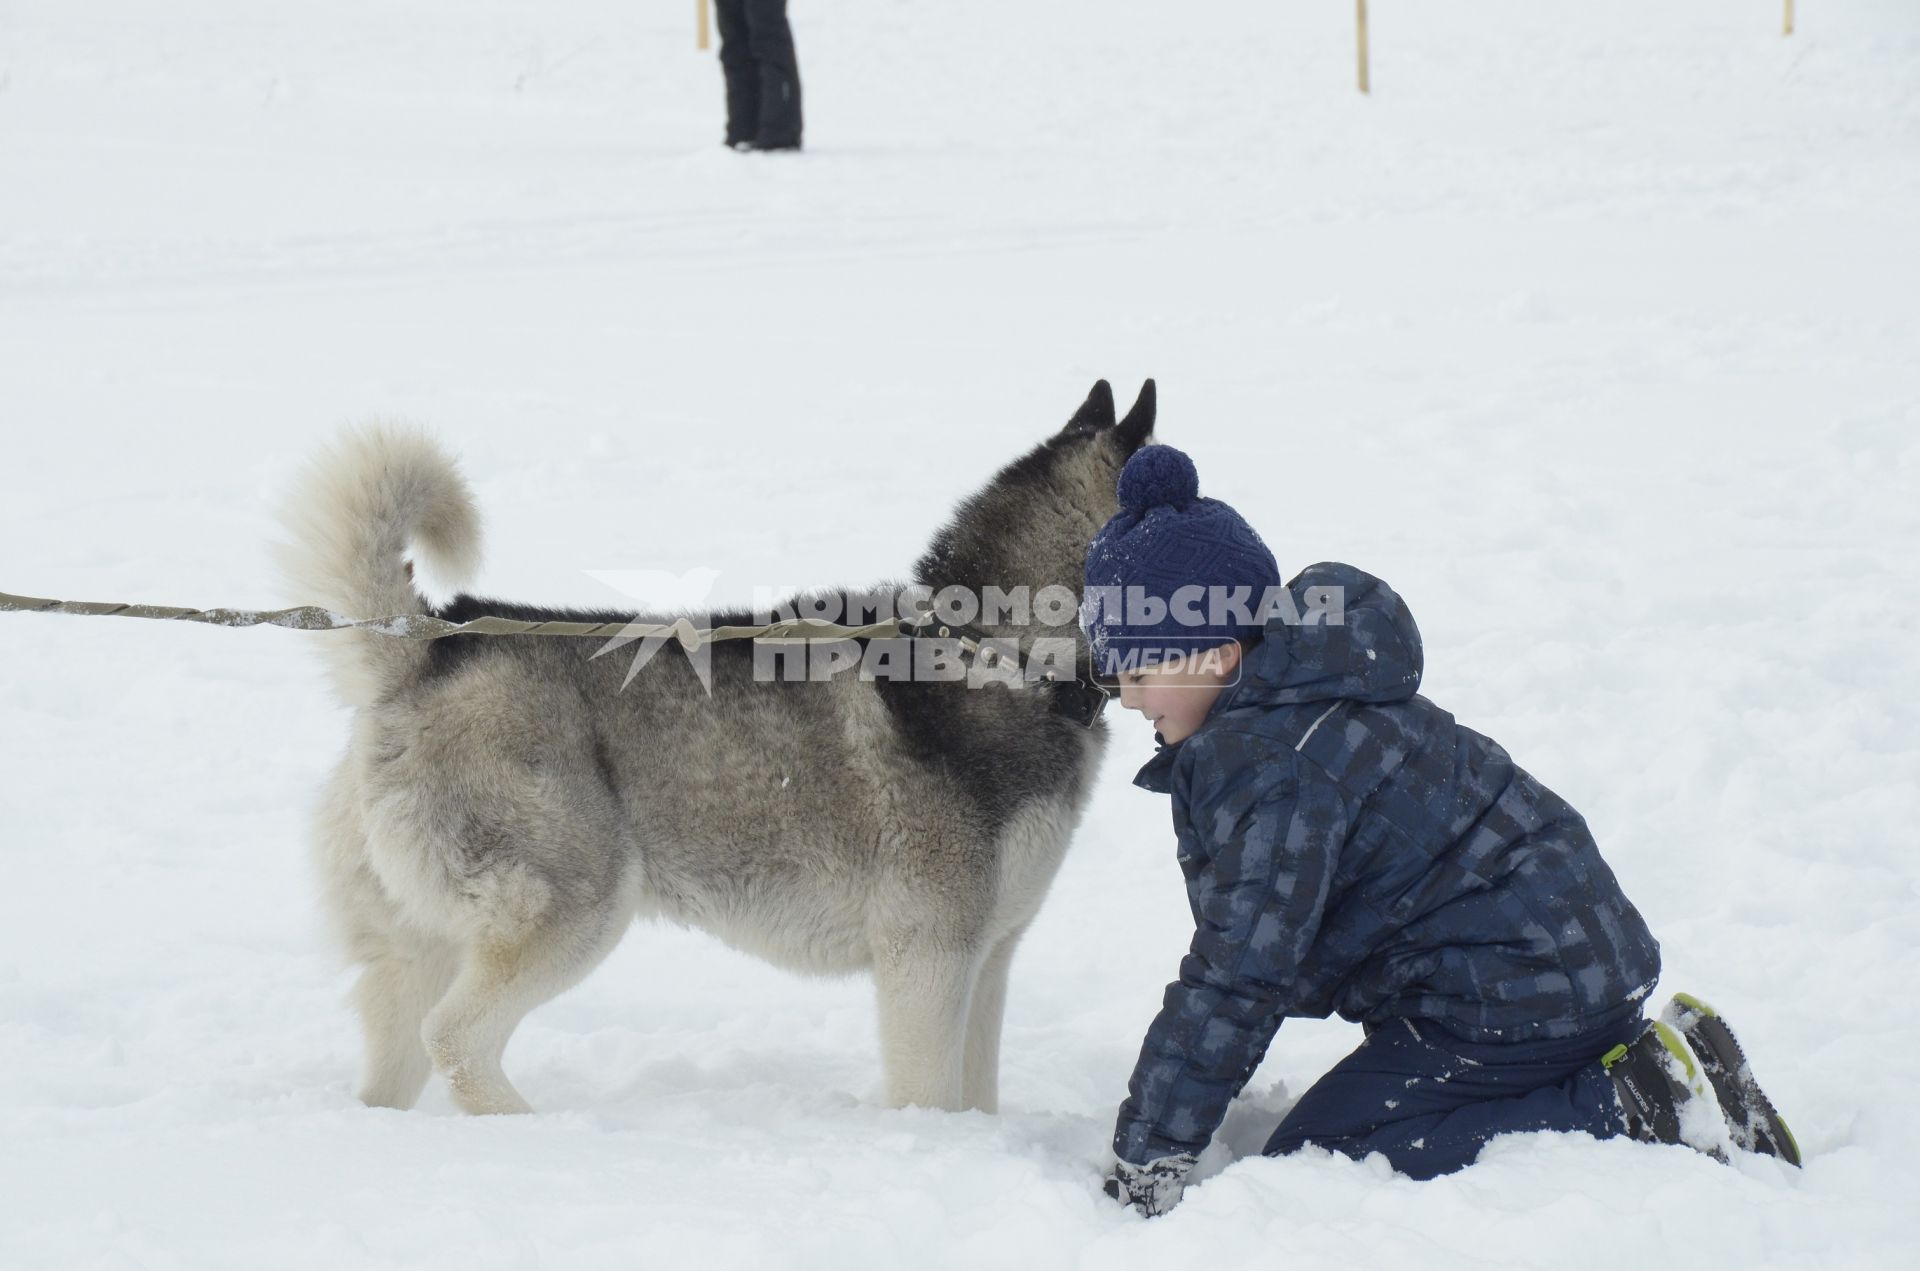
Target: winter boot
pixel 1660 1090
pixel 780 119
pixel 1751 1118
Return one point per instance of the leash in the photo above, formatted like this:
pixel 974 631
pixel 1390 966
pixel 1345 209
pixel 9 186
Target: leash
pixel 1080 699
pixel 421 626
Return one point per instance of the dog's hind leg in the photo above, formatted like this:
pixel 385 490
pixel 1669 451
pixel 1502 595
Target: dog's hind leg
pixel 395 991
pixel 404 969
pixel 499 981
pixel 980 1085
pixel 924 991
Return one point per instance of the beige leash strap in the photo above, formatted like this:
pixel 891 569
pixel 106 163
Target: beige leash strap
pixel 420 626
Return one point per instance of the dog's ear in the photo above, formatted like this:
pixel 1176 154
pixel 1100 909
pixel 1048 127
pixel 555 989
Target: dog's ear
pixel 1094 414
pixel 1134 430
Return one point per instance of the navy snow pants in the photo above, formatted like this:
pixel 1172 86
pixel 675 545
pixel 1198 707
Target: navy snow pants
pixel 1429 1102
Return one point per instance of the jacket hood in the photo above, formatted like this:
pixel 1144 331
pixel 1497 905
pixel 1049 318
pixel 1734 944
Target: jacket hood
pixel 1370 654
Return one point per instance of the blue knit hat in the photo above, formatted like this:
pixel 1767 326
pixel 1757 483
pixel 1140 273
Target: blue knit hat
pixel 1166 538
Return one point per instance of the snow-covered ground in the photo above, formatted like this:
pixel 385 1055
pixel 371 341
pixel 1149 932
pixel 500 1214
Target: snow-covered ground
pixel 1594 330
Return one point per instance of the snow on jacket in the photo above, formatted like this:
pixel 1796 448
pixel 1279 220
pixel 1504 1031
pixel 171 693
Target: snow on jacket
pixel 1349 848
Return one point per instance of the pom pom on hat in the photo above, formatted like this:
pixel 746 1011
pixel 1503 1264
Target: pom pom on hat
pixel 1158 476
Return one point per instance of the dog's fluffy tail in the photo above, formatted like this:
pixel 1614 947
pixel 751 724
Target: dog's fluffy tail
pixel 357 508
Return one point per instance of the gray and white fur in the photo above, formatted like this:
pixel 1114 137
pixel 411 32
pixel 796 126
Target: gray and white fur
pixel 505 809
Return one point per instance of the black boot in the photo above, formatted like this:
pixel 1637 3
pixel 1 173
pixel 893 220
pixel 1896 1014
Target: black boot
pixel 779 124
pixel 741 72
pixel 1751 1118
pixel 1658 1085
pixel 779 109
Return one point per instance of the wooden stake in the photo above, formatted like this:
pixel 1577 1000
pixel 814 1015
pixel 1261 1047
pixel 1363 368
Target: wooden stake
pixel 1361 16
pixel 1789 30
pixel 701 38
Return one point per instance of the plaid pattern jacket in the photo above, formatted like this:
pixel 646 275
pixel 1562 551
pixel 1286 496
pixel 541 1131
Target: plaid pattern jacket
pixel 1348 848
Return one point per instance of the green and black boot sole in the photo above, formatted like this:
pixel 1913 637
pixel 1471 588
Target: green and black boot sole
pixel 1752 1121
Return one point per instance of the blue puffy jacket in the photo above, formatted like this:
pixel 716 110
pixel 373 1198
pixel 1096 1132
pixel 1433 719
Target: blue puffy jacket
pixel 1349 848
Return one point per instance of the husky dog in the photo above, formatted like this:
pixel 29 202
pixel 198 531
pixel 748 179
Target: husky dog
pixel 506 808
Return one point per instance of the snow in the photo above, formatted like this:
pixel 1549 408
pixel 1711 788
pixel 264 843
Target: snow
pixel 1592 330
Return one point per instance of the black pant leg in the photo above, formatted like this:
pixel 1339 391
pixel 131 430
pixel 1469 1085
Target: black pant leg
pixel 1429 1104
pixel 772 42
pixel 740 68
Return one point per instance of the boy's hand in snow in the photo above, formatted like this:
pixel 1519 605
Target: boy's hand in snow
pixel 1153 1188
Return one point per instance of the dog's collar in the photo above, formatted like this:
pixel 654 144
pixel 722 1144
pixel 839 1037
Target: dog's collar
pixel 1079 699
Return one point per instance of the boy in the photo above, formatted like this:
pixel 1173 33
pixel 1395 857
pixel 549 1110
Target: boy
pixel 1348 848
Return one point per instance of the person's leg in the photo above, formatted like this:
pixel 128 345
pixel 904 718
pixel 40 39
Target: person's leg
pixel 737 65
pixel 772 42
pixel 1429 1103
